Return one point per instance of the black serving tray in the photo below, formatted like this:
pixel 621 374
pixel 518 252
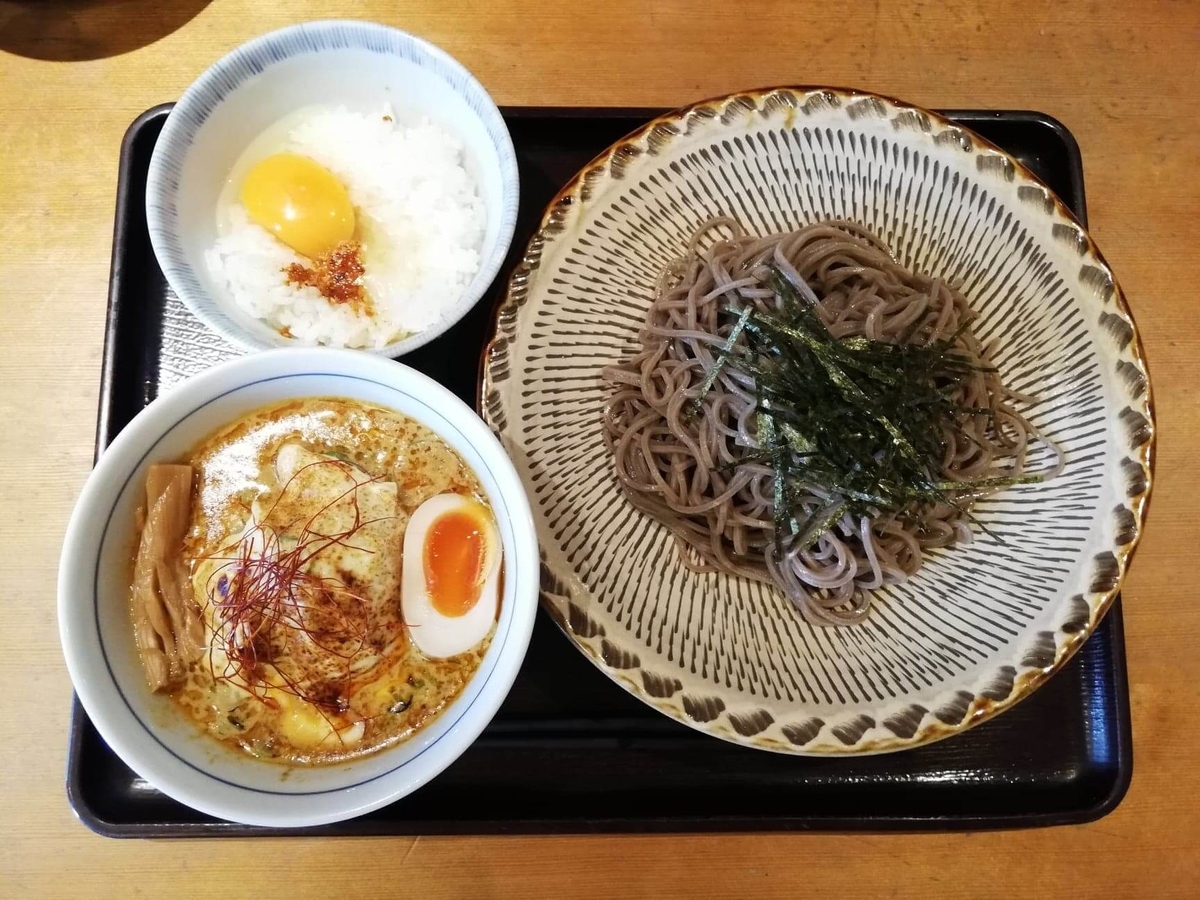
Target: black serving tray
pixel 569 751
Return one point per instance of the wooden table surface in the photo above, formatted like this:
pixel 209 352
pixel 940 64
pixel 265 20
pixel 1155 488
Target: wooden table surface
pixel 1124 77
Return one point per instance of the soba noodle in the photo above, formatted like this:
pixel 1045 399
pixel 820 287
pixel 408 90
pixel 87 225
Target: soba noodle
pixel 684 438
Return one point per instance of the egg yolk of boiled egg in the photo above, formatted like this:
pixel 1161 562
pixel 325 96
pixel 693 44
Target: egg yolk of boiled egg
pixel 300 202
pixel 455 551
pixel 450 581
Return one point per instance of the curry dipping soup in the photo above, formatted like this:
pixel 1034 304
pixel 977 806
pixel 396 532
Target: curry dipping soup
pixel 315 581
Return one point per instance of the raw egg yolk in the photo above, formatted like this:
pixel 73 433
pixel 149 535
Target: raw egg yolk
pixel 300 202
pixel 456 556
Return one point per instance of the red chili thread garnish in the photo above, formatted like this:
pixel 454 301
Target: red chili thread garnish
pixel 262 591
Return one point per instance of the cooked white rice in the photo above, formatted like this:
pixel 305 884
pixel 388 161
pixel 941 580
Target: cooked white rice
pixel 420 221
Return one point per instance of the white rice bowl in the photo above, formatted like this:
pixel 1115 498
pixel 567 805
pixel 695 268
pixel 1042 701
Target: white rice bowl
pixel 420 219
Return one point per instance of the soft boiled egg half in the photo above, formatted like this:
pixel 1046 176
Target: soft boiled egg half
pixel 450 586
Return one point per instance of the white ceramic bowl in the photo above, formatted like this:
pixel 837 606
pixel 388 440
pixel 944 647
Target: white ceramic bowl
pixel 145 729
pixel 358 65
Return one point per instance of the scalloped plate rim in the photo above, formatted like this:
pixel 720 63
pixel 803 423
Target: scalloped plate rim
pixel 1025 681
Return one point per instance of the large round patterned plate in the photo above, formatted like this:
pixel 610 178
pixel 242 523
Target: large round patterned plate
pixel 981 625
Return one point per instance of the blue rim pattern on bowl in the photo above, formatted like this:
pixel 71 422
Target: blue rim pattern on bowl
pixel 225 788
pixel 254 58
